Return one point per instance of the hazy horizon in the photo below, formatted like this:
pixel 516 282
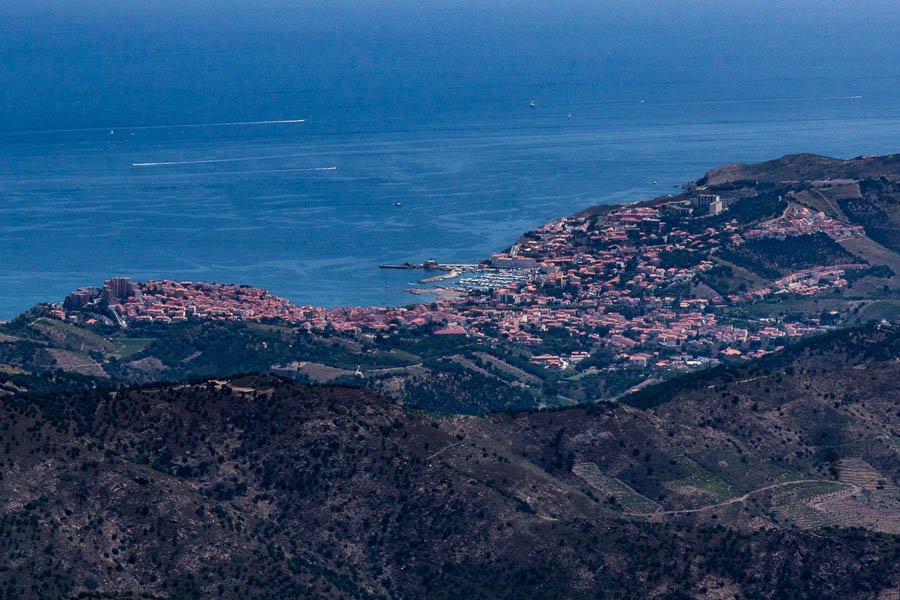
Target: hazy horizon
pixel 137 63
pixel 422 104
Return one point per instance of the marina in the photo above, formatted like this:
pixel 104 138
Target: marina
pixel 491 279
pixel 477 277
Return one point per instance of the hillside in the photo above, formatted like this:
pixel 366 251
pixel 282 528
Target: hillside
pixel 775 479
pixel 750 259
pixel 804 167
pixel 412 367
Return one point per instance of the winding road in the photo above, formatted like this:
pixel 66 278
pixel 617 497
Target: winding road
pixel 737 499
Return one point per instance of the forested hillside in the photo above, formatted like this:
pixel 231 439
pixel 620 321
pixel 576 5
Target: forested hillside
pixel 737 482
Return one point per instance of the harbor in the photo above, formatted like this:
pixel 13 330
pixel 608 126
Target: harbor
pixel 500 272
pixel 433 265
pixel 491 279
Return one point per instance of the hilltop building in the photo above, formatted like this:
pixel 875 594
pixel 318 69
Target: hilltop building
pixel 83 296
pixel 703 201
pixel 117 289
pixel 720 205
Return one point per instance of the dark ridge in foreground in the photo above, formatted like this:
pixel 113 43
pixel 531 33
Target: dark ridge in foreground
pixel 258 487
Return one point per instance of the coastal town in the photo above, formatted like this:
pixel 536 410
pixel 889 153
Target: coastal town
pixel 619 282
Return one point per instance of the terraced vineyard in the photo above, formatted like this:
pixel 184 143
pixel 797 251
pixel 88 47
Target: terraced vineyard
pixel 874 503
pixel 609 487
pixel 800 504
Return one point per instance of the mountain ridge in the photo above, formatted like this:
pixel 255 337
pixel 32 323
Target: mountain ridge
pixel 259 487
pixel 799 167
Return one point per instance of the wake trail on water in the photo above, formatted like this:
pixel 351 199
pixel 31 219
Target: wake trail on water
pixel 147 127
pixel 758 100
pixel 207 161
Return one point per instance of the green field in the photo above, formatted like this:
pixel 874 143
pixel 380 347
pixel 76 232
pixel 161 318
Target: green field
pixel 793 305
pixel 803 491
pixel 707 482
pixel 582 375
pixel 880 309
pixel 71 336
pixel 123 347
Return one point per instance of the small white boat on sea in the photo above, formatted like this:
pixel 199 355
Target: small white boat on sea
pixel 532 104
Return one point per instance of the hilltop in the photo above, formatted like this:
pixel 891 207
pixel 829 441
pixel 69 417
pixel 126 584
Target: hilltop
pixel 805 167
pixel 739 482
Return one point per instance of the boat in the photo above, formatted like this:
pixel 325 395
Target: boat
pixel 569 116
pixel 398 204
pixel 533 104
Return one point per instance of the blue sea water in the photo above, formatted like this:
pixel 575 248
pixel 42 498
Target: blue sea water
pixel 119 152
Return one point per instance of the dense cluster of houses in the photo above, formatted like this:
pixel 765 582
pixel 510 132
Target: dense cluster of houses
pixel 606 282
pixel 809 282
pixel 798 220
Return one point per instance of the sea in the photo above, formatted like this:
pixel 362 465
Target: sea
pixel 297 146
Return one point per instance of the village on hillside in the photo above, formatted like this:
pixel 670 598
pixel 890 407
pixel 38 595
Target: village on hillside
pixel 620 282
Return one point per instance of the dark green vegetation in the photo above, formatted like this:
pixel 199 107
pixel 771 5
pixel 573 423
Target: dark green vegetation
pixel 259 487
pixel 447 374
pixel 774 258
pixel 759 202
pixel 723 280
pixel 877 209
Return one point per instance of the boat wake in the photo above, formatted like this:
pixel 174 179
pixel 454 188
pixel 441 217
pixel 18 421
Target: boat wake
pixel 148 127
pixel 757 100
pixel 208 161
pixel 225 124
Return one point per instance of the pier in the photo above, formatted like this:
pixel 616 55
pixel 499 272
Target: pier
pixel 431 265
pixel 448 275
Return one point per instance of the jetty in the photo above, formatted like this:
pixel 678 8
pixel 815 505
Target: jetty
pixel 448 275
pixel 433 265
